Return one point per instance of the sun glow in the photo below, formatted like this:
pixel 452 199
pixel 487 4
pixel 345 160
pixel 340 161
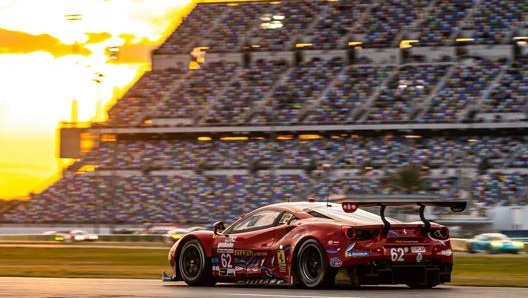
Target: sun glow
pixel 56 51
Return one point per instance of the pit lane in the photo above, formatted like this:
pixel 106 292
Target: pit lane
pixel 93 288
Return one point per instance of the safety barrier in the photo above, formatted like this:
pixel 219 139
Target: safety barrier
pixel 457 244
pixel 102 238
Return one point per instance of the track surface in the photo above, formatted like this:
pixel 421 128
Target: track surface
pixel 115 288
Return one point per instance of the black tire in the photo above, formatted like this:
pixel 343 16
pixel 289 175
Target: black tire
pixel 490 250
pixel 470 249
pixel 311 266
pixel 193 266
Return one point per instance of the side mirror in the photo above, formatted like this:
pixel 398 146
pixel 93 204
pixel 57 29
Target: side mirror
pixel 218 227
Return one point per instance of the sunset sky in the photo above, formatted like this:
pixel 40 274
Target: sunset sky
pixel 46 61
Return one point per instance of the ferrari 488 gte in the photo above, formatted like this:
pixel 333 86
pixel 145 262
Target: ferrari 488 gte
pixel 309 243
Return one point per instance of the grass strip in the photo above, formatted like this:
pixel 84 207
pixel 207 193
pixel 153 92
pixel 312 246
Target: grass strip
pixel 481 270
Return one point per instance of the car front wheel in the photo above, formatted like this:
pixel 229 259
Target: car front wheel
pixel 194 267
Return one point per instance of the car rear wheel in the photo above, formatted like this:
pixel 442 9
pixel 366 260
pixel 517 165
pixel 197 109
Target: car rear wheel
pixel 470 249
pixel 312 268
pixel 194 267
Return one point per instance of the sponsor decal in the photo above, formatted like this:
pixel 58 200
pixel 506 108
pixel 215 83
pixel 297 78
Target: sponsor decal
pixel 392 233
pixel 254 264
pixel 350 252
pixel 281 258
pixel 267 272
pixel 231 238
pixel 417 249
pixel 333 242
pixel 336 262
pixel 243 252
pixel 230 272
pixel 350 246
pixel 332 250
pixel 419 257
pixel 226 261
pixel 214 261
pixel 260 253
pixel 240 262
pixel 357 253
pixel 226 245
pixel 224 251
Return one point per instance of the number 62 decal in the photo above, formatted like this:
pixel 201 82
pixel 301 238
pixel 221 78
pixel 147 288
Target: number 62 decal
pixel 397 254
pixel 225 260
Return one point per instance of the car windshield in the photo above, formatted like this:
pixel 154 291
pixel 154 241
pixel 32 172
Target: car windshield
pixel 334 211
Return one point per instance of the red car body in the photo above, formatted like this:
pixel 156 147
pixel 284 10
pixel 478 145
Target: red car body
pixel 308 243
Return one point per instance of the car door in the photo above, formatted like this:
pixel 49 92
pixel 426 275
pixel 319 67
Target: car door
pixel 242 250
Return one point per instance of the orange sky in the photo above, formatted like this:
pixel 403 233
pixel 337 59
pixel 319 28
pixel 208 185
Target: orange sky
pixel 41 72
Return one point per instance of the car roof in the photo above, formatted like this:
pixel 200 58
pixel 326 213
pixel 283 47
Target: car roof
pixel 300 206
pixel 360 216
pixel 493 235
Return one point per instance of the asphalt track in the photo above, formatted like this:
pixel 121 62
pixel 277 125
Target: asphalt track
pixel 116 288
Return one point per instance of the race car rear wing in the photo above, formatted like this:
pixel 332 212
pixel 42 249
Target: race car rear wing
pixel 352 206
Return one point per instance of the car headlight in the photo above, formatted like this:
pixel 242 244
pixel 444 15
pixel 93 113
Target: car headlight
pixel 496 244
pixel 518 244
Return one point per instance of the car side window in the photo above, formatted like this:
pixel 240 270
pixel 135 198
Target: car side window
pixel 286 218
pixel 256 221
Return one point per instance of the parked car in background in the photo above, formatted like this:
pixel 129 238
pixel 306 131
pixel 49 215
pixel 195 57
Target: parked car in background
pixel 176 234
pixel 73 235
pixel 494 243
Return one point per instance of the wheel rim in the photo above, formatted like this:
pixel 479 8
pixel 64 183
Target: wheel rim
pixel 311 264
pixel 191 262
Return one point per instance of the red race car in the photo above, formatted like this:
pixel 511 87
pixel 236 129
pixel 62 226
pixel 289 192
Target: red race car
pixel 308 243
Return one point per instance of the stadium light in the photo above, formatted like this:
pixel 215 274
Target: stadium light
pixel 234 138
pixel 310 137
pixel 413 136
pixel 407 43
pixel 284 137
pixel 521 40
pixel 303 45
pixel 464 39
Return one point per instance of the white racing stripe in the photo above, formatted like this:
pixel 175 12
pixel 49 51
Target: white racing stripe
pixel 297 296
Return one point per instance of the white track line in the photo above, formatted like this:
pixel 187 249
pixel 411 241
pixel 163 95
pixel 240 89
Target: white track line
pixel 297 296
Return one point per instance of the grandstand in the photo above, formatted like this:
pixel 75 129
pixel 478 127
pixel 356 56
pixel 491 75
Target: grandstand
pixel 295 99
